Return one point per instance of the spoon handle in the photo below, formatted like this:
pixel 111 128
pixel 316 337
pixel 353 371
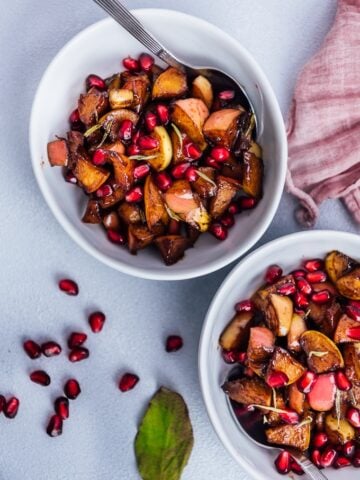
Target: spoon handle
pixel 309 468
pixel 127 20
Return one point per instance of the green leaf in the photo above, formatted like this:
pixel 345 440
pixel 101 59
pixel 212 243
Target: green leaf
pixel 165 439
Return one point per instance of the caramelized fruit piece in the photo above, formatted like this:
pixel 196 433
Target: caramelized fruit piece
pixel 297 436
pixel 58 153
pixel 282 361
pixel 172 247
pixel 189 116
pixel 92 105
pixel 236 334
pixel 92 212
pixel 322 395
pixel 322 353
pixel 160 157
pixel 221 127
pixel 248 391
pixel 226 190
pixel 171 83
pixel 252 172
pixel 202 88
pixel 339 431
pixel 155 211
pixel 338 264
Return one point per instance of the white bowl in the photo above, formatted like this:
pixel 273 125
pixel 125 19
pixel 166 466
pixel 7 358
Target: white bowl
pixel 99 49
pixel 245 278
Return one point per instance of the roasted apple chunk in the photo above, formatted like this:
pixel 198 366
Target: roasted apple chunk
pixel 189 116
pixel 249 391
pixel 88 175
pixel 202 88
pixel 172 247
pixel 172 83
pixel 296 436
pixel 236 333
pixel 221 127
pixel 322 353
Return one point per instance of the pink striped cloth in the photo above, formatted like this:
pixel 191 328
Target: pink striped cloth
pixel 324 122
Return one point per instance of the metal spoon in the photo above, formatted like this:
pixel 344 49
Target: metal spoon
pixel 218 78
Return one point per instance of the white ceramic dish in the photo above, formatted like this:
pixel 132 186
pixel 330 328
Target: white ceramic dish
pixel 245 278
pixel 99 49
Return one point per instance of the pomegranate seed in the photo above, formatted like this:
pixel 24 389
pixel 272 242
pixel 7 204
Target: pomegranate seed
pixel 128 382
pixel 12 407
pixel 174 227
pixel 355 303
pixel 32 349
pixel 353 312
pixel 353 416
pixel 290 417
pixel 104 191
pixel 233 208
pixel 191 174
pixel 2 403
pixel 349 449
pixel 341 462
pixel 273 274
pixel 320 439
pixel 75 122
pixel 245 306
pixel 313 265
pixel 94 81
pixel 300 300
pixel 147 143
pixel 220 154
pixel 62 407
pixel 277 379
pixel 141 171
pixel 316 277
pixel 99 157
pixel 54 428
pixel 68 286
pixel 163 181
pixel 227 95
pixel 192 151
pixel 342 381
pixel 78 354
pixel 72 389
pixel 50 349
pixel 173 343
pixel 135 195
pixel 133 150
pixel 96 321
pixel 76 339
pixel 295 467
pixel 356 459
pixel 229 356
pixel 150 121
pixel 227 220
pixel 211 162
pixel 126 130
pixel 163 113
pixel 303 286
pixel 286 289
pixel 306 381
pixel 247 203
pixel 282 462
pixel 321 297
pixel 328 457
pixel 70 177
pixel 115 237
pixel 131 64
pixel 40 377
pixel 316 458
pixel 298 273
pixel 136 136
pixel 219 231
pixel 146 62
pixel 179 170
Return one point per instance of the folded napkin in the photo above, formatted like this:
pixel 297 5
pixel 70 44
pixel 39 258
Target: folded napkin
pixel 324 123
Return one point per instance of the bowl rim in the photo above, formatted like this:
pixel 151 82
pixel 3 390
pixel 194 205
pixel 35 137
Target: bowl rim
pixel 170 275
pixel 204 341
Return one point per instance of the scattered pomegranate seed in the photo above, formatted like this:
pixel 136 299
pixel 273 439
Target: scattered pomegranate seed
pixel 341 462
pixel 134 195
pixel 78 354
pixel 290 417
pixel 229 356
pixel 273 274
pixel 74 120
pixel 76 339
pixel 306 381
pixel 192 151
pixel 353 312
pixel 234 208
pixel 353 416
pixel 342 381
pixel 227 220
pixel 286 289
pixel 355 303
pixel 68 286
pixel 50 349
pixel 104 191
pixel 245 306
pixel 126 130
pixel 356 459
pixel 72 389
pixel 295 467
pixel 94 81
pixel 141 171
pixel 150 121
pixel 247 203
pixel 320 439
pixel 313 265
pixel 99 157
pixel 282 462
pixel 349 448
pixel 96 321
pixel 321 297
pixel 128 382
pixel 173 343
pixel 163 181
pixel 211 162
pixel 12 407
pixel 191 174
pixel 298 273
pixel 303 286
pixel 219 231
pixel 220 154
pixel 54 428
pixel 227 95
pixel 2 403
pixel 277 379
pixel 300 300
pixel 147 143
pixel 174 227
pixel 62 407
pixel 40 377
pixel 353 333
pixel 115 237
pixel 179 170
pixel 70 177
pixel 131 64
pixel 328 457
pixel 316 458
pixel 32 349
pixel 316 277
pixel 163 113
pixel 146 62
pixel 133 150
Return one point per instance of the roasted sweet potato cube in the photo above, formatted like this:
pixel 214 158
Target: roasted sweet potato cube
pixel 92 105
pixel 140 86
pixel 341 332
pixel 202 88
pixel 226 191
pixel 282 361
pixel 130 213
pixel 296 399
pixel 112 121
pixel 121 98
pixel 248 391
pixel 296 436
pixel 338 264
pixel 221 127
pixel 205 187
pixel 92 212
pixel 172 247
pixel 123 170
pixel 155 211
pixel 172 83
pixel 58 153
pixel 297 328
pixel 352 360
pixel 189 116
pixel 261 344
pixel 88 175
pixel 252 174
pixel 235 336
pixel 349 284
pixel 322 353
pixel 139 237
